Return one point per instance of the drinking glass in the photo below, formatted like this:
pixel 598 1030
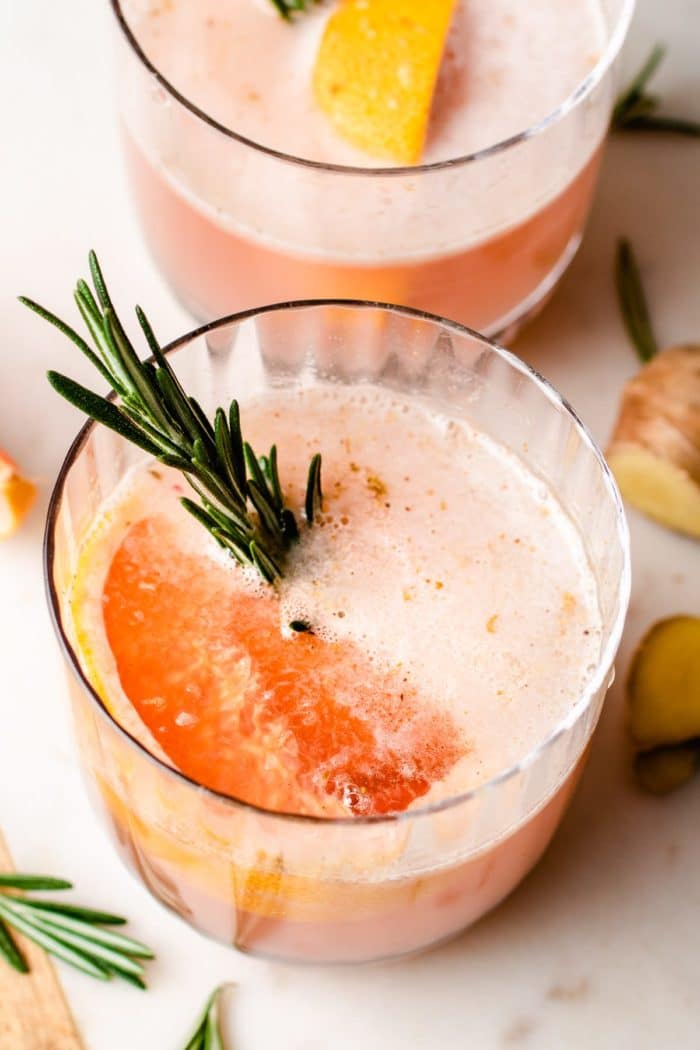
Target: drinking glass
pixel 312 889
pixel 482 239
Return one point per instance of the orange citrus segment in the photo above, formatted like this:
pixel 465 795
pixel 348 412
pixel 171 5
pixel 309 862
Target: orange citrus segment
pixel 376 71
pixel 16 496
pixel 289 723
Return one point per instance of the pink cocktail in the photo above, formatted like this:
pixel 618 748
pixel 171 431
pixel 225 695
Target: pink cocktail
pixel 246 196
pixel 376 785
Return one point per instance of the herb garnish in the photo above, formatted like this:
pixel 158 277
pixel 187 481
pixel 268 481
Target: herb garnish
pixel 636 110
pixel 207 1032
pixel 633 303
pixel 289 7
pixel 67 931
pixel 242 504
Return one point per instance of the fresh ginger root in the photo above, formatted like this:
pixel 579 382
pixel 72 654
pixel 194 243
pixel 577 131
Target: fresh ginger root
pixel 16 496
pixel 664 703
pixel 655 448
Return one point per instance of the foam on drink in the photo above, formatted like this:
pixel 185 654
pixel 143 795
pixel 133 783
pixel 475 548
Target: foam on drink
pixel 439 558
pixel 507 65
pixel 233 226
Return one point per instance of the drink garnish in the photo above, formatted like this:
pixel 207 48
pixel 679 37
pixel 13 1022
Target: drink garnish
pixel 635 109
pixel 286 719
pixel 68 931
pixel 241 502
pixel 376 72
pixel 17 495
pixel 287 8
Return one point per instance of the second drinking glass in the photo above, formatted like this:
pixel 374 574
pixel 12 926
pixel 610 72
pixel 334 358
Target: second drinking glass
pixel 234 221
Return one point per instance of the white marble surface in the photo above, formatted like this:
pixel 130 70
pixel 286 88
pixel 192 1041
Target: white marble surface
pixel 600 946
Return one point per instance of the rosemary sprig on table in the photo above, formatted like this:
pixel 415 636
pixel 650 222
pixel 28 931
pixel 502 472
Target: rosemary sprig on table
pixel 635 109
pixel 633 302
pixel 207 1031
pixel 67 931
pixel 241 500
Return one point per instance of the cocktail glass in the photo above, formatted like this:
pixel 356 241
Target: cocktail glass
pixel 482 239
pixel 353 889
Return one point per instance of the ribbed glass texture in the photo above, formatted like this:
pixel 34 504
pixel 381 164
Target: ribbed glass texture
pixel 481 238
pixel 353 889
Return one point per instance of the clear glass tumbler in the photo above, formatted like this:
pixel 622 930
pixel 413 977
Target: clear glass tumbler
pixel 352 889
pixel 482 239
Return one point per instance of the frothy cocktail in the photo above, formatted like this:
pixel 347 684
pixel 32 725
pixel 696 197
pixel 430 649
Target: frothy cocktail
pixel 451 616
pixel 234 224
pixel 365 756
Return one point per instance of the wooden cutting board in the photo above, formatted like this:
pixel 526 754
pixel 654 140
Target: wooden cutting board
pixel 34 1014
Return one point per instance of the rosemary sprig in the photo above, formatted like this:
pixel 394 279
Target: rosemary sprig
pixel 287 8
pixel 633 302
pixel 240 496
pixel 207 1030
pixel 635 109
pixel 68 931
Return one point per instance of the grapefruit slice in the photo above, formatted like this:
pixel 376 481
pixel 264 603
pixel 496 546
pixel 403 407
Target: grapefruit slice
pixel 16 496
pixel 376 71
pixel 287 721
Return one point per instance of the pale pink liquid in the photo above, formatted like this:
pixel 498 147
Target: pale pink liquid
pixel 234 228
pixel 357 922
pixel 216 271
pixel 267 886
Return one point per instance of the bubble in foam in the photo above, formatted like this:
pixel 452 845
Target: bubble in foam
pixel 354 799
pixel 185 719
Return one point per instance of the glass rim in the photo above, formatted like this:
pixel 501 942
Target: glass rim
pixel 605 660
pixel 582 90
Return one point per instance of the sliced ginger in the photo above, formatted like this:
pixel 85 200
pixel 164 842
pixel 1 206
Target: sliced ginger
pixel 664 684
pixel 664 703
pixel 16 496
pixel 376 71
pixel 655 449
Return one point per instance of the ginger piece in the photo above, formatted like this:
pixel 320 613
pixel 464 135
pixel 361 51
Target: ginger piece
pixel 666 769
pixel 16 496
pixel 663 686
pixel 654 452
pixel 655 448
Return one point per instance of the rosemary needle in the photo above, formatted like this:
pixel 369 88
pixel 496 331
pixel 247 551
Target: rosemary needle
pixel 67 931
pixel 15 881
pixel 10 952
pixel 241 502
pixel 633 303
pixel 289 7
pixel 635 109
pixel 207 1030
